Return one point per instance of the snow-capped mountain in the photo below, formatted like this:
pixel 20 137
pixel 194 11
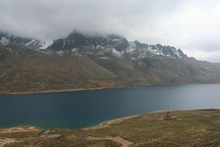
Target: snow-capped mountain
pixel 5 39
pixel 111 45
pixel 103 47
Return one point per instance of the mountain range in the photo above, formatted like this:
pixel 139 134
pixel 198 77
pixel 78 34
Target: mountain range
pixel 82 61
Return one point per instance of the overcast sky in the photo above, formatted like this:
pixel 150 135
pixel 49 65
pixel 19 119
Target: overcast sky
pixel 191 25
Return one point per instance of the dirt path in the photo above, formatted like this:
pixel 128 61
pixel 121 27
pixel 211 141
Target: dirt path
pixel 123 142
pixel 4 141
pixel 18 129
pixel 118 139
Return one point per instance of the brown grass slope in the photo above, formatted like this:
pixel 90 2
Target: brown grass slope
pixel 162 128
pixel 24 71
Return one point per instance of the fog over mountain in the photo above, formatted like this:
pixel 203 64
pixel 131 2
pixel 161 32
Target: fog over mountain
pixel 191 25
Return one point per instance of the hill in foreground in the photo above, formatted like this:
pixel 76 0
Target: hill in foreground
pixel 162 128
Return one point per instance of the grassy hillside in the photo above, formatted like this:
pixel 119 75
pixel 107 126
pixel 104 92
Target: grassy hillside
pixel 162 128
pixel 45 73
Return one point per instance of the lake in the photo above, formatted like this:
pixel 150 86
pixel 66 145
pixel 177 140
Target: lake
pixel 86 108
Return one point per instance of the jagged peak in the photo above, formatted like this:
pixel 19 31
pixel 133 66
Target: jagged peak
pixel 106 42
pixel 6 38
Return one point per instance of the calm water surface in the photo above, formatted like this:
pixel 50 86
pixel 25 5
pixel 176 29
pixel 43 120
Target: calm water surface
pixel 85 108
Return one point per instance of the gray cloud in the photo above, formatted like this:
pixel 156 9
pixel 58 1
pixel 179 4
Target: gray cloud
pixel 192 25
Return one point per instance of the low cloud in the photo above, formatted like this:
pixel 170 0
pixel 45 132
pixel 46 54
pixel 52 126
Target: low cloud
pixel 192 25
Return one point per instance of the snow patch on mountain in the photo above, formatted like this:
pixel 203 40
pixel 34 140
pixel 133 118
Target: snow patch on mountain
pixel 45 44
pixel 4 41
pixel 104 58
pixel 155 50
pixel 116 53
pixel 176 52
pixel 31 42
pixel 132 47
pixel 64 43
pixel 99 47
pixel 61 52
pixel 75 50
pixel 141 56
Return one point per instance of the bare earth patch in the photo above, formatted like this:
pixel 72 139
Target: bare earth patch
pixel 18 129
pixel 4 141
pixel 123 142
pixel 118 139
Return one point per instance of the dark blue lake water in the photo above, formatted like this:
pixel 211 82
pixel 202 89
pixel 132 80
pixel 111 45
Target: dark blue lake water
pixel 86 108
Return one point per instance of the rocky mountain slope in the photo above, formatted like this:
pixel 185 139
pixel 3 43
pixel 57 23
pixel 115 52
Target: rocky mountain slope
pixel 6 39
pixel 135 62
pixel 91 61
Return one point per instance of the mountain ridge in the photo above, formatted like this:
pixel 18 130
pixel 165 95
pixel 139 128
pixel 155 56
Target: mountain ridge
pixel 95 61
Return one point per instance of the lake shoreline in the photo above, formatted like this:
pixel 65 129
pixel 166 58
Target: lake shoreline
pixel 197 127
pixel 97 88
pixel 15 129
pixel 104 124
pixel 51 91
pixel 63 90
